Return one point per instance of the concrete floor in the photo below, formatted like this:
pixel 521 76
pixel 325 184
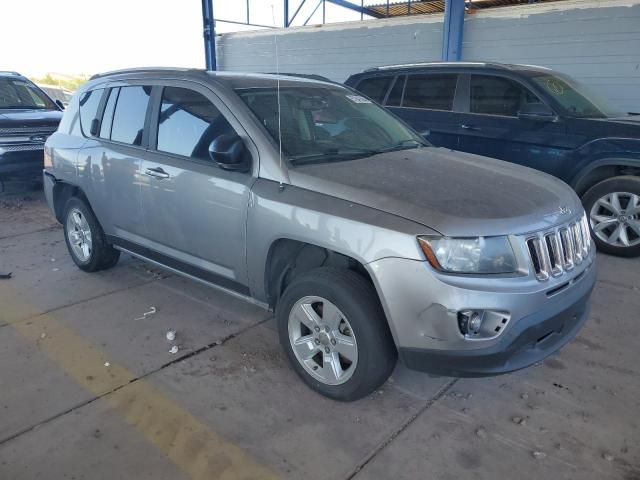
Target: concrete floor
pixel 89 390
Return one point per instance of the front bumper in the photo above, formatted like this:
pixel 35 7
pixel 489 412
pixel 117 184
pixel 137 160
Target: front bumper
pixel 531 340
pixel 422 312
pixel 21 162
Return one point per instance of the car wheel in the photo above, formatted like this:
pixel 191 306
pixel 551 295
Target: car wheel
pixel 613 207
pixel 85 238
pixel 335 334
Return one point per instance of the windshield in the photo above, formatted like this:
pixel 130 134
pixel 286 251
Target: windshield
pixel 576 99
pixel 322 124
pixel 21 94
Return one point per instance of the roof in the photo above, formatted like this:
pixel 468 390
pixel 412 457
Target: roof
pixel 417 7
pixel 232 79
pixel 484 65
pixel 9 73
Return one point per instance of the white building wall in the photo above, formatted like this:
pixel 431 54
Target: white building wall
pixel 595 41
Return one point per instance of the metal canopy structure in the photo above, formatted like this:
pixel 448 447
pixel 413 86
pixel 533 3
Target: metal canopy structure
pixel 454 11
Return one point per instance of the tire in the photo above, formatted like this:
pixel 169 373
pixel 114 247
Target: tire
pixel 349 304
pixel 85 238
pixel 606 220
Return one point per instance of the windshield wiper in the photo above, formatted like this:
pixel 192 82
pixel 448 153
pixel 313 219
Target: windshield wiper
pixel 334 154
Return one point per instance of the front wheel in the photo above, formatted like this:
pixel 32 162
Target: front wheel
pixel 613 207
pixel 335 334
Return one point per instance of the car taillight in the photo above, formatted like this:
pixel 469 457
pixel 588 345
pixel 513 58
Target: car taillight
pixel 48 161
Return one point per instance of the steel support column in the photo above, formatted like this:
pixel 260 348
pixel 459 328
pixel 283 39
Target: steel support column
pixel 209 34
pixel 452 32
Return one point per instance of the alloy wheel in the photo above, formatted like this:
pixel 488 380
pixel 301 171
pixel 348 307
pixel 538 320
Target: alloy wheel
pixel 615 219
pixel 322 340
pixel 79 235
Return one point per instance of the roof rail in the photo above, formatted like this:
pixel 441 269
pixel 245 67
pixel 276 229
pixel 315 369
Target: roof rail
pixel 427 64
pixel 9 72
pixel 143 70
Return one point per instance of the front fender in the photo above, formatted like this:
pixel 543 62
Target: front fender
pixel 354 230
pixel 602 152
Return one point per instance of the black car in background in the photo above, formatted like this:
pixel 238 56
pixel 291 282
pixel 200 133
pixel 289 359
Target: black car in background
pixel 528 115
pixel 27 117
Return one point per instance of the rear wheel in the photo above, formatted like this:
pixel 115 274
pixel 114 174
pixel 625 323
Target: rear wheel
pixel 335 334
pixel 85 238
pixel 613 207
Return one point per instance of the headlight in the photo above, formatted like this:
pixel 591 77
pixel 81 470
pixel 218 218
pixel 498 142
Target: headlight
pixel 469 255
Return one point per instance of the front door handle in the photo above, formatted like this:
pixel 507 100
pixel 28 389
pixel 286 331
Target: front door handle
pixel 156 172
pixel 464 126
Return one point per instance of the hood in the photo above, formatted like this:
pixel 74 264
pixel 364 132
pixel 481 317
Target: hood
pixel 29 118
pixel 627 120
pixel 454 193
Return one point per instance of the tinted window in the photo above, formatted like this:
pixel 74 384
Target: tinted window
pixel 498 96
pixel 375 88
pixel 395 95
pixel 188 123
pixel 107 117
pixel 20 93
pixel 435 92
pixel 89 103
pixel 128 119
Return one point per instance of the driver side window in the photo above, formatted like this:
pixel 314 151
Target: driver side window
pixel 492 95
pixel 188 122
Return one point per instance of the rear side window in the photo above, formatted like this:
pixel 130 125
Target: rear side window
pixel 498 96
pixel 130 114
pixel 89 103
pixel 375 88
pixel 188 123
pixel 435 92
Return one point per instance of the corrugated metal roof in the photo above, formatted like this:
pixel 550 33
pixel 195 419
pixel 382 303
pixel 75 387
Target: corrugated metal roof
pixel 418 7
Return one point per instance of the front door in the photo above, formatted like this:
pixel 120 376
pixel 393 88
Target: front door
pixel 491 126
pixel 195 212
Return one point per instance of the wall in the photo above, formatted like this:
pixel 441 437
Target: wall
pixel 597 42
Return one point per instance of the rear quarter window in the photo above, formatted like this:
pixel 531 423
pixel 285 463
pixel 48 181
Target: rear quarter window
pixel 89 103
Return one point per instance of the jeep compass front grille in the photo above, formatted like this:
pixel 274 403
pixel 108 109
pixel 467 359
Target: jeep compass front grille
pixel 554 252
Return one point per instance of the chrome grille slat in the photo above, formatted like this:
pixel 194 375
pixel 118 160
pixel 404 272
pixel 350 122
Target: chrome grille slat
pixel 556 251
pixel 22 148
pixel 28 131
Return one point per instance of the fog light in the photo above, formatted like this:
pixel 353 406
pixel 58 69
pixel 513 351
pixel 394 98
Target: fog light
pixel 470 321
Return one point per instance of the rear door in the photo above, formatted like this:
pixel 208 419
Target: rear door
pixel 426 102
pixel 195 212
pixel 491 126
pixel 109 165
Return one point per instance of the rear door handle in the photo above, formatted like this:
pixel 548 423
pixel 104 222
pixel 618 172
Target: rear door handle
pixel 464 126
pixel 156 172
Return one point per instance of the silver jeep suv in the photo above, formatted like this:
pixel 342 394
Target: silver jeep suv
pixel 311 200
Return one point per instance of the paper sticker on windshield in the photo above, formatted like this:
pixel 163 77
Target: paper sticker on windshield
pixel 358 99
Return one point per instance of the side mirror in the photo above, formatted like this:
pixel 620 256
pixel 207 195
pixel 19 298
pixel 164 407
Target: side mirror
pixel 230 153
pixel 537 112
pixel 60 104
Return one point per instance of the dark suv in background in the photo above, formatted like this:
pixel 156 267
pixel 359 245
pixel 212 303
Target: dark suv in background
pixel 532 116
pixel 27 117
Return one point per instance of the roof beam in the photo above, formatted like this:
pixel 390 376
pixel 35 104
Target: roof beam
pixel 356 8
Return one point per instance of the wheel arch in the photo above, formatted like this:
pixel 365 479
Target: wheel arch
pixel 62 192
pixel 603 169
pixel 288 258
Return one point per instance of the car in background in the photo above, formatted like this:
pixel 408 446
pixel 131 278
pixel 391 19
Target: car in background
pixel 528 115
pixel 307 198
pixel 28 116
pixel 57 93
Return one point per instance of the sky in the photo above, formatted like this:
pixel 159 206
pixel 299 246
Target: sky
pixel 91 36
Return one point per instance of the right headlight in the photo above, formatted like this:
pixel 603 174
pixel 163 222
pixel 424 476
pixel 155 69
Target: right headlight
pixel 481 255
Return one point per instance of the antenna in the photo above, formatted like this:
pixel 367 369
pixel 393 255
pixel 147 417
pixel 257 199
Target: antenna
pixel 275 39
